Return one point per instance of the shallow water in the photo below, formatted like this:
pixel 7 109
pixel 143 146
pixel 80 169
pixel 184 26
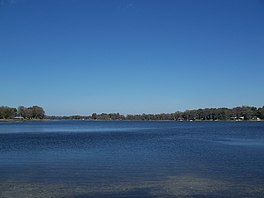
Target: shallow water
pixel 131 159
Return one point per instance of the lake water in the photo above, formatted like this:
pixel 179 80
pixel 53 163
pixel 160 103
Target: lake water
pixel 77 159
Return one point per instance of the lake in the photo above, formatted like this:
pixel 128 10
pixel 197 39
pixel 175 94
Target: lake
pixel 78 159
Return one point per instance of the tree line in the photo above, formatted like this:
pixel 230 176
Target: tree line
pixel 237 113
pixel 207 114
pixel 34 112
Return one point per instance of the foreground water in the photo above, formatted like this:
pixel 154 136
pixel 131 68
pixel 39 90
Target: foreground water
pixel 131 159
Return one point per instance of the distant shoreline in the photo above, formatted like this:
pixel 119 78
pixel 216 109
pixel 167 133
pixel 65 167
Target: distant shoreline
pixel 98 120
pixel 23 120
pixel 37 113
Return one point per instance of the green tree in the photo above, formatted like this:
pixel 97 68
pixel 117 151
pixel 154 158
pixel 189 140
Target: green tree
pixel 7 112
pixel 260 113
pixel 37 112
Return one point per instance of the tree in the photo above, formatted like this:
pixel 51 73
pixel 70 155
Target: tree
pixel 21 111
pixel 94 116
pixel 260 113
pixel 7 112
pixel 37 112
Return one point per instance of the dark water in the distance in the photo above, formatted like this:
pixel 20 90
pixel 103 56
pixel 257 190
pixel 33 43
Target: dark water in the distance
pixel 131 159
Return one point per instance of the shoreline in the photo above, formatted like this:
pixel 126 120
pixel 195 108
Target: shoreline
pixel 23 120
pixel 44 120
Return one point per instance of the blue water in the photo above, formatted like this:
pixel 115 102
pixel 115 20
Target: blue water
pixel 131 158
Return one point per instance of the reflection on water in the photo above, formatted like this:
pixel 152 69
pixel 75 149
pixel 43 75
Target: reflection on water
pixel 242 142
pixel 124 159
pixel 181 186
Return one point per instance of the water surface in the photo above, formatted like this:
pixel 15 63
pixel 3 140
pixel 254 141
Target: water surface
pixel 131 159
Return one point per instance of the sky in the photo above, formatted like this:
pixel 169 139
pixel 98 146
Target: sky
pixel 131 56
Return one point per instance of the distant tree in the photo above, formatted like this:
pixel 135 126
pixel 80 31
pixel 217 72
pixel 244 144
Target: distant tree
pixel 37 112
pixel 21 111
pixel 34 112
pixel 260 113
pixel 28 113
pixel 94 116
pixel 7 112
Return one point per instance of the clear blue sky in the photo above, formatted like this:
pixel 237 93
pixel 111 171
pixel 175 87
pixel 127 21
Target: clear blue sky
pixel 131 56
